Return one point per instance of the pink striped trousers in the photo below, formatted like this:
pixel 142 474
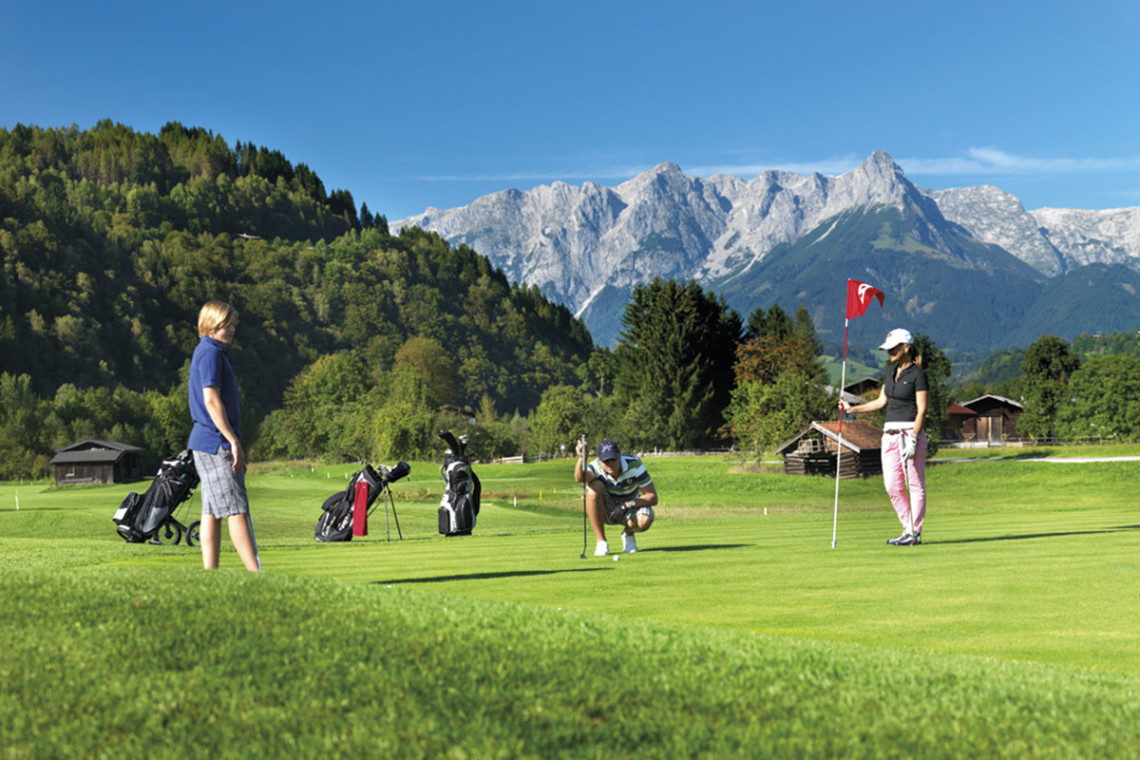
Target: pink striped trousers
pixel 911 508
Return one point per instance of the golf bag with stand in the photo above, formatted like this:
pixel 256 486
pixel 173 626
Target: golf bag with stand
pixel 460 504
pixel 335 523
pixel 139 516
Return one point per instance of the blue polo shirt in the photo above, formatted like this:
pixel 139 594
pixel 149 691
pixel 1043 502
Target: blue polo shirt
pixel 210 367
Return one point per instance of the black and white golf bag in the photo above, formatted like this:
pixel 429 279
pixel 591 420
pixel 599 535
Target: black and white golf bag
pixel 139 516
pixel 460 504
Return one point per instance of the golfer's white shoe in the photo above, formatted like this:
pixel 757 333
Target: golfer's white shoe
pixel 628 542
pixel 602 549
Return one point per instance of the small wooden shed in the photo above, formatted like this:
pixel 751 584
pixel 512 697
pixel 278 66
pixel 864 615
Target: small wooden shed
pixel 814 451
pixel 995 419
pixel 96 461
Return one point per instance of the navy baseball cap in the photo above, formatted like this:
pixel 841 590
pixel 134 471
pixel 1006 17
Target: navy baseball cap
pixel 607 449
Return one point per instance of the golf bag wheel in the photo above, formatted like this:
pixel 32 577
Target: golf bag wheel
pixel 192 533
pixel 168 534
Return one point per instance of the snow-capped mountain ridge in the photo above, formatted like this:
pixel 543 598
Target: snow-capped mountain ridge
pixel 575 242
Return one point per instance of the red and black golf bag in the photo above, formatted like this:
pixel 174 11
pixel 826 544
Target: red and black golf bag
pixel 345 513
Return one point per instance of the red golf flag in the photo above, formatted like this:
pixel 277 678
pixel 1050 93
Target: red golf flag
pixel 859 295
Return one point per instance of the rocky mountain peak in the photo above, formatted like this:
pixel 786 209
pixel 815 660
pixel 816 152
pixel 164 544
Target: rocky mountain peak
pixel 587 245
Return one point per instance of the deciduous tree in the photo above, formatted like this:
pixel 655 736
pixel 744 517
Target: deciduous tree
pixel 1102 400
pixel 1045 373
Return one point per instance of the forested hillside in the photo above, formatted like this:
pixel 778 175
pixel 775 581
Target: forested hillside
pixel 111 240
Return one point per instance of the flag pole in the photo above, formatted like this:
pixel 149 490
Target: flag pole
pixel 859 295
pixel 839 448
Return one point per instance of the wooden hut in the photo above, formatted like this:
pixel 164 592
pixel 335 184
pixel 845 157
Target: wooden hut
pixel 814 451
pixel 95 461
pixel 994 420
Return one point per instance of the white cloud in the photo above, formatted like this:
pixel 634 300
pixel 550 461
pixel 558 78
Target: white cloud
pixel 830 166
pixel 994 161
pixel 975 162
pixel 610 172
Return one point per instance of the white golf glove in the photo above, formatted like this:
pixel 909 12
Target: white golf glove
pixel 909 444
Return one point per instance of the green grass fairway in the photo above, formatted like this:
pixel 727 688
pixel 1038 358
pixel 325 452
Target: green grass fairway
pixel 737 631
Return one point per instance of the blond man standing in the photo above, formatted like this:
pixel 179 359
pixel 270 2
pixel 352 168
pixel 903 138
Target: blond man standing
pixel 215 438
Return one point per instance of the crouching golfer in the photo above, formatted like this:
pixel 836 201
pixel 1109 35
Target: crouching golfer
pixel 214 439
pixel 619 491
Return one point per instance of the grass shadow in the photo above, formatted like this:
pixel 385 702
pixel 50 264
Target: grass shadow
pixel 42 509
pixel 487 576
pixel 1024 536
pixel 699 548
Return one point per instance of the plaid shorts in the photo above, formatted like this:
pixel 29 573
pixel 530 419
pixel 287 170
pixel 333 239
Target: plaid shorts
pixel 617 513
pixel 223 490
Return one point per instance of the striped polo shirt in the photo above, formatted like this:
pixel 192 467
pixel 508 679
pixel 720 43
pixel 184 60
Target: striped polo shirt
pixel 632 479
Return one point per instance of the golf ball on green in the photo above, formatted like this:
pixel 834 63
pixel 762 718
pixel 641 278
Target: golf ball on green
pixel 616 558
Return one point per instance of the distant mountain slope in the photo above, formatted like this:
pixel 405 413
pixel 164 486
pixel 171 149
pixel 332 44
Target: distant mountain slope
pixel 965 265
pixel 1098 298
pixel 956 291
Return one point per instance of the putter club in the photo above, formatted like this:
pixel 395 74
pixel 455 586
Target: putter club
pixel 253 538
pixel 906 485
pixel 582 441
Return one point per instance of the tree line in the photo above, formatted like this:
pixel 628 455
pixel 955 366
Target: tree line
pixel 358 345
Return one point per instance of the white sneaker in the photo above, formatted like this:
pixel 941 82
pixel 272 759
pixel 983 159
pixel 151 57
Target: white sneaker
pixel 602 549
pixel 628 542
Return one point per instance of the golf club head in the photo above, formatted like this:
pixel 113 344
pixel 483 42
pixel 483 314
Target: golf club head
pixel 400 470
pixel 449 439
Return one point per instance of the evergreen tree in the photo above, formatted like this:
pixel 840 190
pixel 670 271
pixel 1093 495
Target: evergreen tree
pixel 805 326
pixel 774 322
pixel 675 360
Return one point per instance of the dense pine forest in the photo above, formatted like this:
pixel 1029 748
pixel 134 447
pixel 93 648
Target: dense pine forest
pixel 111 240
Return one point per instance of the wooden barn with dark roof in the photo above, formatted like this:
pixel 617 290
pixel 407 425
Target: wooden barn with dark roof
pixel 815 450
pixel 96 461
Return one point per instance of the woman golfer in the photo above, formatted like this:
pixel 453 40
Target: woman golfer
pixel 904 394
pixel 214 439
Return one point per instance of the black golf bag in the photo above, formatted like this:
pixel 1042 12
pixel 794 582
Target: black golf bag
pixel 139 516
pixel 460 504
pixel 335 523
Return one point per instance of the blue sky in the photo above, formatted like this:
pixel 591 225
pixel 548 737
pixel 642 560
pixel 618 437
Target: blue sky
pixel 416 104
